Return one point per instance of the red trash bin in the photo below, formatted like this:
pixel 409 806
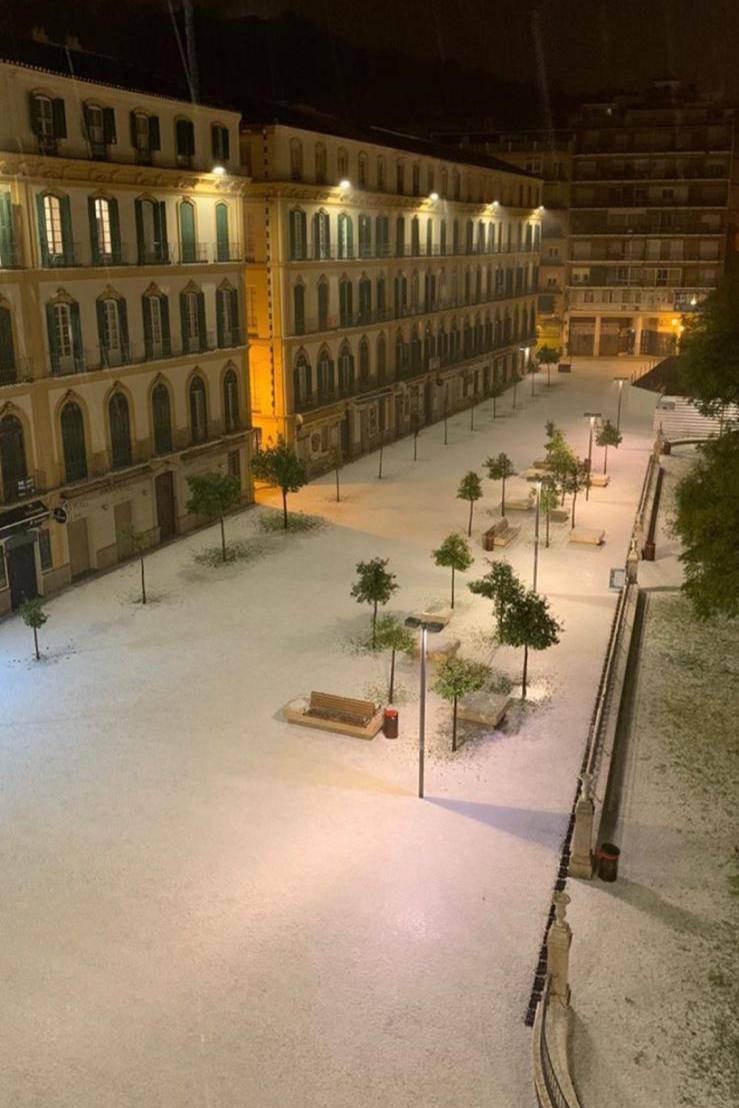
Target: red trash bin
pixel 608 856
pixel 390 723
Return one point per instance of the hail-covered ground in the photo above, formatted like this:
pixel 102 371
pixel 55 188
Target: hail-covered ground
pixel 205 906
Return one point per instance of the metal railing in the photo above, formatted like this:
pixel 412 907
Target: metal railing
pixel 404 250
pixel 78 254
pixel 93 358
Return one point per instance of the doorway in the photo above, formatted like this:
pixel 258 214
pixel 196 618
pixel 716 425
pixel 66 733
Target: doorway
pixel 123 522
pixel 79 547
pixel 164 496
pixel 21 563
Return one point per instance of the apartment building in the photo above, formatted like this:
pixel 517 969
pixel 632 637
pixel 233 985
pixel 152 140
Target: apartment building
pixel 388 281
pixel 123 360
pixel 650 218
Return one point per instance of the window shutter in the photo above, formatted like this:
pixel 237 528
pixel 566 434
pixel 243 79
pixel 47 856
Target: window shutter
pixel 109 131
pixel 60 119
pixel 180 140
pixel 40 215
pixel 219 315
pixel 235 323
pixel 225 143
pixel 190 137
pixel 146 316
pixel 7 354
pixel 222 233
pixel 34 112
pixel 123 328
pixel 132 128
pixel 94 244
pixel 74 313
pixel 140 246
pixel 160 224
pixel 154 140
pixel 51 331
pixel 100 311
pixel 183 320
pixel 86 121
pixel 164 310
pixel 201 322
pixel 115 231
pixel 67 231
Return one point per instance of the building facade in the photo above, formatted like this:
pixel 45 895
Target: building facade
pixel 123 358
pixel 387 284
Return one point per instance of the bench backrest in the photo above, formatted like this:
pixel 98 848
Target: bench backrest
pixel 342 705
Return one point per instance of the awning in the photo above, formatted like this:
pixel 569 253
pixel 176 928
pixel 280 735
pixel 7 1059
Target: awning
pixel 22 516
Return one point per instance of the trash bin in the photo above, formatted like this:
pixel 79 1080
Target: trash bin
pixel 390 723
pixel 608 856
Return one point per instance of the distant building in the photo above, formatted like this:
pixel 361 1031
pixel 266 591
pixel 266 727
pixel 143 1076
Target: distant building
pixel 389 281
pixel 123 361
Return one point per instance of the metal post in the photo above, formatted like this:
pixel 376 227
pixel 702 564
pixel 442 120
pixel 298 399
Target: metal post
pixel 422 714
pixel 590 459
pixel 536 533
pixel 618 413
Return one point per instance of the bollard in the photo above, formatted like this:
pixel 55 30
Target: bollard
pixel 559 940
pixel 581 856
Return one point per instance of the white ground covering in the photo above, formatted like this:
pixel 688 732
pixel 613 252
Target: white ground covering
pixel 203 906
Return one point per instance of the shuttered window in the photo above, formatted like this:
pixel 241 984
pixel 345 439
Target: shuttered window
pixel 120 431
pixel 162 419
pixel 73 442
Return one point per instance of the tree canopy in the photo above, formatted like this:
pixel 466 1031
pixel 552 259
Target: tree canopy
pixel 374 585
pixel 280 466
pixel 455 554
pixel 710 349
pixel 211 496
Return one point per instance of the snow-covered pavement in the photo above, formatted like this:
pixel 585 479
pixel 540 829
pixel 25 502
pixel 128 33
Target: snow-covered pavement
pixel 203 906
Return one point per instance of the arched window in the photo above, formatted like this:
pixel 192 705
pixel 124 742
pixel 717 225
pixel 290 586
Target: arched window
pixel 223 250
pixel 120 431
pixel 231 401
pixel 144 136
pixel 364 359
pixel 73 442
pixel 55 230
pixel 362 170
pixel 151 232
pixel 12 458
pixel 346 369
pixel 188 245
pixel 381 173
pixel 429 237
pixel 491 238
pixel 381 297
pixel 296 159
pixel 400 236
pixel 399 353
pixel 488 332
pixel 220 143
pixel 105 236
pixel 325 374
pixel 155 311
pixel 480 237
pixel 99 125
pixel 7 348
pixel 48 121
pixel 297 234
pixel 192 319
pixel 346 236
pixel 65 338
pixel 112 331
pixel 342 164
pixel 322 304
pixel 162 419
pixel 345 303
pixel 455 236
pixel 365 236
pixel 442 237
pixel 198 410
pixel 299 308
pixel 382 236
pixel 478 285
pixel 414 291
pixel 415 237
pixel 184 142
pixel 320 156
pixel 302 381
pixel 380 359
pixel 321 236
pixel 468 237
pixel 365 299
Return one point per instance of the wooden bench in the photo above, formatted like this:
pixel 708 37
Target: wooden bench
pixel 327 712
pixel 590 536
pixel 484 708
pixel 600 480
pixel 500 534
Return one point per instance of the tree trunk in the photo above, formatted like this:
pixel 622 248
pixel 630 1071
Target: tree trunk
pixel 143 583
pixel 454 723
pixel 547 542
pixel 494 399
pixel 415 446
pixel 374 626
pixel 472 416
pixel 549 376
pixel 392 677
pixel 525 671
pixel 574 502
pixel 284 509
pixel 223 539
pixel 338 495
pixel 502 500
pixel 605 458
pixel 379 469
pixel 35 643
pixel 469 525
pixel 452 586
pixel 445 432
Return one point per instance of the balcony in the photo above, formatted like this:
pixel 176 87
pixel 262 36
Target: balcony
pixel 10 257
pixel 639 299
pixel 94 358
pixel 19 488
pixel 21 369
pixel 367 254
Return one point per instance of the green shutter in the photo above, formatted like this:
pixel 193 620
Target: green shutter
pixel 146 316
pixel 222 253
pixel 109 131
pixel 235 322
pixel 183 320
pixel 123 328
pixel 86 121
pixel 115 231
pixel 7 353
pixel 140 247
pixel 219 315
pixel 187 232
pixel 7 252
pixel 225 143
pixel 132 128
pixel 164 309
pixel 94 243
pixel 60 119
pixel 34 113
pixel 160 225
pixel 100 312
pixel 41 218
pixel 154 140
pixel 67 231
pixel 74 314
pixel 53 345
pixel 201 322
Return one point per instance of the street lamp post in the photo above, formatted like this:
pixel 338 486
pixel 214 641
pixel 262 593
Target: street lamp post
pixel 592 416
pixel 620 382
pixel 425 626
pixel 536 532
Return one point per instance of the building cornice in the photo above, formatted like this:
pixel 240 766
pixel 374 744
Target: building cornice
pixel 39 168
pixel 361 198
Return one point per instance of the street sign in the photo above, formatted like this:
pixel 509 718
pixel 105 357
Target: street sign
pixel 59 515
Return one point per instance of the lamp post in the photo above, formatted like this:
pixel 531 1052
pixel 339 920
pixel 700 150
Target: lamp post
pixel 537 484
pixel 425 626
pixel 592 416
pixel 620 382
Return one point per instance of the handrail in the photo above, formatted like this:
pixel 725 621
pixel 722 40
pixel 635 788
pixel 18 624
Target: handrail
pixel 548 1077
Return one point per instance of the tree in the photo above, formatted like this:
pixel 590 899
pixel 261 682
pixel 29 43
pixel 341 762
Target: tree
pixel 524 620
pixel 500 469
pixel 470 488
pixel 34 616
pixel 496 391
pixel 498 584
pixel 393 636
pixel 280 466
pixel 709 353
pixel 707 521
pixel 548 356
pixel 575 478
pixel 211 496
pixel 139 543
pixel 454 679
pixel 455 554
pixel 560 459
pixel 374 586
pixel 606 436
pixel 548 501
pixel 337 463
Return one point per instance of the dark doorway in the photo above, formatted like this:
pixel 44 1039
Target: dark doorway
pixel 21 563
pixel 164 493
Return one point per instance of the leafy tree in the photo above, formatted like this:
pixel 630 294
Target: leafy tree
pixel 548 356
pixel 455 554
pixel 552 429
pixel 560 459
pixel 500 469
pixel 211 496
pixel 454 679
pixel 470 488
pixel 606 436
pixel 374 586
pixel 525 621
pixel 498 584
pixel 496 391
pixel 707 521
pixel 139 543
pixel 393 636
pixel 710 349
pixel 280 466
pixel 34 616
pixel 575 478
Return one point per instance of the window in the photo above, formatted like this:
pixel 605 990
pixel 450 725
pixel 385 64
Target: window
pixel 320 156
pixel 382 236
pixel 362 171
pixel 155 311
pixel 198 411
pixel 364 359
pixel 302 383
pixel 365 236
pixel 144 135
pixel 192 320
pixel 223 247
pixel 48 121
pixel 99 124
pixel 416 180
pixel 184 142
pixel 381 297
pixel 400 236
pixel 346 236
pixel 299 309
pixel 297 231
pixel 296 160
pixel 151 232
pixel 346 369
pixel 399 178
pixel 455 236
pixel 220 143
pixel 365 299
pixel 468 237
pixel 12 458
pixel 342 164
pixel 7 348
pixel 231 401
pixel 380 359
pixel 55 230
pixel 188 245
pixel 321 236
pixel 345 303
pixel 322 304
pixel 429 237
pixel 65 338
pixel 415 237
pixel 120 431
pixel 160 408
pixel 73 442
pixel 105 244
pixel 381 173
pixel 325 374
pixel 227 316
pixel 442 237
